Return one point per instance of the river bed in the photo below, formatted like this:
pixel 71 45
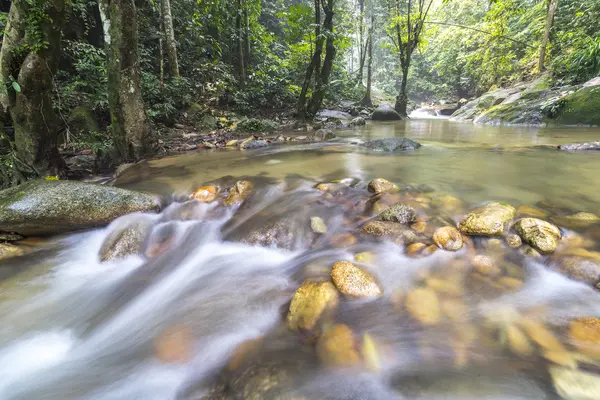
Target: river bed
pixel 205 316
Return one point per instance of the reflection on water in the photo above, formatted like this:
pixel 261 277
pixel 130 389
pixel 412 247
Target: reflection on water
pixel 201 312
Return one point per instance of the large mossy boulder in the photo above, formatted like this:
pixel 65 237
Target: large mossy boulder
pixel 392 144
pixel 385 112
pixel 50 207
pixel 581 107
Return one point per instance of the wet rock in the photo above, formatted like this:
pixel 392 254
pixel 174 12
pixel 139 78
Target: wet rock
pixel 541 335
pixel 336 348
pixel 531 212
pixel 243 351
pixel 485 265
pixel 310 301
pixel 394 231
pixel 448 238
pixel 232 143
pixel 572 384
pixel 318 225
pixel 324 134
pixel 381 185
pixel 584 333
pixel 125 239
pixel 365 257
pixel 489 220
pixel 579 268
pixel 580 220
pixel 400 213
pixel 358 121
pixel 514 241
pixel 371 353
pixel 518 342
pixel 448 203
pixel 239 192
pixel 539 234
pixel 9 251
pixel 580 146
pixel 392 144
pixel 424 306
pixel 328 187
pixel 10 237
pixel 510 282
pixel 50 207
pixel 343 240
pixel 353 281
pixel 385 112
pixel 175 345
pixel 205 194
pixel 251 144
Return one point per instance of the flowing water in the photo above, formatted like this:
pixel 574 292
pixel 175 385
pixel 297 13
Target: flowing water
pixel 201 312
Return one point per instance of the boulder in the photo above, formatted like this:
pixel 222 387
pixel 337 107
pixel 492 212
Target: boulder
pixel 337 347
pixel 399 212
pixel 581 267
pixel 310 301
pixel 398 233
pixel 239 192
pixel 448 238
pixel 489 220
pixel 353 281
pixel 580 146
pixel 580 107
pixel 424 306
pixel 584 333
pixel 385 112
pixel 380 185
pixel 541 235
pixel 205 194
pixel 358 121
pixel 251 144
pixel 324 134
pixel 391 144
pixel 51 207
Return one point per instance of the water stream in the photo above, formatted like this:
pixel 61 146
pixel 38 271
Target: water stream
pixel 75 328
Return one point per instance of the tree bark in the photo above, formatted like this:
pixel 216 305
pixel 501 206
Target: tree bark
pixel 170 42
pixel 402 98
pixel 314 65
pixel 367 101
pixel 29 99
pixel 240 44
pixel 552 6
pixel 361 47
pixel 322 78
pixel 129 124
pixel 246 35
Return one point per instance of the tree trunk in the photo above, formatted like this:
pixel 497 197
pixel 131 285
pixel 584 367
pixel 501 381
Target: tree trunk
pixel 246 35
pixel 367 101
pixel 29 98
pixel 129 124
pixel 552 6
pixel 402 99
pixel 161 52
pixel 322 78
pixel 361 48
pixel 314 65
pixel 240 44
pixel 170 42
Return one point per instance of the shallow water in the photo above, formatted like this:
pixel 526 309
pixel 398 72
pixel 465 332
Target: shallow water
pixel 168 325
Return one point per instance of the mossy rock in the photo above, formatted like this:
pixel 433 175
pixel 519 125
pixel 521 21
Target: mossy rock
pixel 581 107
pixel 256 125
pixel 82 120
pixel 50 207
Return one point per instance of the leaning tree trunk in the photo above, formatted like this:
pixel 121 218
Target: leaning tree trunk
pixel 129 124
pixel 546 38
pixel 314 65
pixel 28 78
pixel 367 101
pixel 170 42
pixel 322 79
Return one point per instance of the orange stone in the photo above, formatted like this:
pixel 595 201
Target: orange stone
pixel 174 345
pixel 205 194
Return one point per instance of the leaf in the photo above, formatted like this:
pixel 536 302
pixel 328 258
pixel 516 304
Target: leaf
pixel 16 86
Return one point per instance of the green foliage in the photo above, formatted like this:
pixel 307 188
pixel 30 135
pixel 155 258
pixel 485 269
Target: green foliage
pixel 256 125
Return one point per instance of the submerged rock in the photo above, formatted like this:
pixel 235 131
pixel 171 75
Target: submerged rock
pixel 9 251
pixel 392 144
pixel 399 212
pixel 584 333
pixel 251 144
pixel 489 220
pixel 125 240
pixel 175 345
pixel 51 207
pixel 448 238
pixel 424 306
pixel 324 134
pixel 380 185
pixel 580 220
pixel 337 347
pixel 580 268
pixel 539 234
pixel 572 384
pixel 385 112
pixel 318 225
pixel 358 121
pixel 310 301
pixel 398 233
pixel 239 192
pixel 580 146
pixel 353 281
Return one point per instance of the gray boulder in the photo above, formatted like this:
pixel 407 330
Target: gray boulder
pixel 392 144
pixel 324 134
pixel 385 112
pixel 580 146
pixel 50 207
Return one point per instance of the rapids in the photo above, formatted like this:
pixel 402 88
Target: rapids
pixel 75 328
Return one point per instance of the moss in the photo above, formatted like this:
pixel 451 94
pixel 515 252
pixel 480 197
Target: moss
pixel 82 120
pixel 581 107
